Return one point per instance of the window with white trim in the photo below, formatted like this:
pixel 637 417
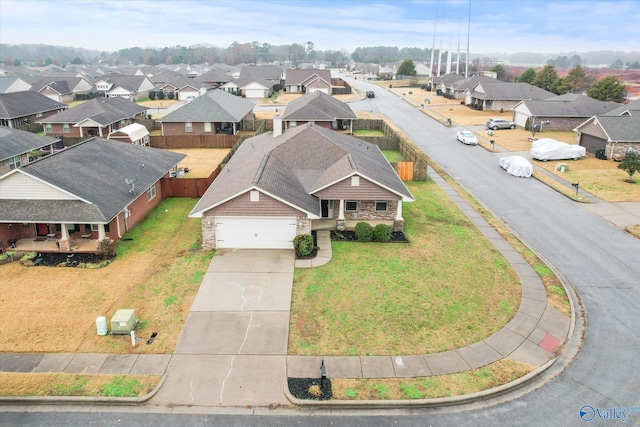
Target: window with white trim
pixel 381 206
pixel 94 227
pixel 254 196
pixel 151 192
pixel 48 128
pixel 355 181
pixel 207 126
pixel 65 128
pixel 292 124
pixel 188 127
pixel 15 162
pixel 351 205
pixel 39 114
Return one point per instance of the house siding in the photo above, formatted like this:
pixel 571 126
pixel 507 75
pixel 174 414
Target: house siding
pixel 23 187
pixel 367 190
pixel 242 206
pixel 593 129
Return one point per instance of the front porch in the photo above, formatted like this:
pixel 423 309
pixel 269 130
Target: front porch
pixel 48 244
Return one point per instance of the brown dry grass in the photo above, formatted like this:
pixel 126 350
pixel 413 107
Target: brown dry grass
pixel 54 309
pixel 493 375
pixel 15 384
pixel 601 178
pixel 201 161
pixel 156 103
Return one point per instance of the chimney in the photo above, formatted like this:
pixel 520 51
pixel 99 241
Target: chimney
pixel 277 125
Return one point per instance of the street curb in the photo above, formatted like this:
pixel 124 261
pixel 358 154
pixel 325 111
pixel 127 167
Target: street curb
pixel 81 400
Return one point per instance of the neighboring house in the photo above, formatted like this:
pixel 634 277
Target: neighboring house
pixel 498 95
pixel 133 88
pixel 13 84
pixel 614 133
pixel 96 117
pixel 563 112
pixel 308 80
pixel 456 89
pixel 215 77
pixel 276 187
pixel 62 89
pixel 22 108
pixel 440 83
pixel 184 88
pixel 249 87
pixel 135 133
pixel 93 190
pixel 18 147
pixel 215 112
pixel 270 73
pixel 320 109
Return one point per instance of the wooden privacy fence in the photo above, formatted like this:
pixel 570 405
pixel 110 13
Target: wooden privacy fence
pixel 405 170
pixel 187 187
pixel 193 141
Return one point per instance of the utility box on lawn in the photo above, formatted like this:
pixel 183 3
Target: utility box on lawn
pixel 124 321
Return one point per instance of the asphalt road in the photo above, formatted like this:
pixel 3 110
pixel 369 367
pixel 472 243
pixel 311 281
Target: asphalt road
pixel 600 261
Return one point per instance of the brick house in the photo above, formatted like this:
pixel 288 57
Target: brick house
pixel 18 147
pixel 321 109
pixel 309 177
pixel 214 112
pixel 93 190
pixel 96 117
pixel 498 95
pixel 22 108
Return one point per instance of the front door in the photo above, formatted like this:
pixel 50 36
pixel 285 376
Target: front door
pixel 42 229
pixel 327 208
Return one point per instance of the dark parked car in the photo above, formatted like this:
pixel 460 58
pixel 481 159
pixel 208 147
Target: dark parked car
pixel 496 124
pixel 371 94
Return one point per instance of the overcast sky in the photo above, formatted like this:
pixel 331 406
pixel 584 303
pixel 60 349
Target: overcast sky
pixel 498 26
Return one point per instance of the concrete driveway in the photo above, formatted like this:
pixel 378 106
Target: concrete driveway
pixel 232 351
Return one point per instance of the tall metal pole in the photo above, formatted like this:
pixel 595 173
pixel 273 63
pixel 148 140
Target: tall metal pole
pixel 466 72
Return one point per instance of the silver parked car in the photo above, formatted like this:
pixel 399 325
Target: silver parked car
pixel 496 124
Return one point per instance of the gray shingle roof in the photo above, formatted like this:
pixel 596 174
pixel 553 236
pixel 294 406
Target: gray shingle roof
pixel 296 77
pixel 21 104
pixel 94 170
pixel 632 108
pixel 295 164
pixel 510 91
pixel 215 106
pixel 130 83
pixel 14 142
pixel 573 105
pixel 621 128
pixel 101 110
pixel 215 75
pixel 265 72
pixel 317 106
pixel 59 84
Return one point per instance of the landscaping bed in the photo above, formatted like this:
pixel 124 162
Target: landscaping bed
pixel 350 236
pixel 57 259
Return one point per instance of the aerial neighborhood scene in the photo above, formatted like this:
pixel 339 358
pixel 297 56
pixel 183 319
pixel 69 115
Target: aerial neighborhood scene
pixel 319 213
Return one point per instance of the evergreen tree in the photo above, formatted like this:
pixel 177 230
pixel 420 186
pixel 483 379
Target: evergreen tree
pixel 407 68
pixel 546 78
pixel 527 76
pixel 609 88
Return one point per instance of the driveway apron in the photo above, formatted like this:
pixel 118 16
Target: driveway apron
pixel 232 351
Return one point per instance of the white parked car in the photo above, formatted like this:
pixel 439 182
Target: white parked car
pixel 467 137
pixel 516 166
pixel 549 149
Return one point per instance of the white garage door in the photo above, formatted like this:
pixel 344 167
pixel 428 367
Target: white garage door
pixel 520 118
pixel 255 232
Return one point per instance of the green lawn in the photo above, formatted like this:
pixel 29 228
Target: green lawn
pixel 446 289
pixel 393 156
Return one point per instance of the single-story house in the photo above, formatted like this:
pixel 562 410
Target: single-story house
pixel 11 84
pixel 62 89
pixel 183 88
pixel 135 133
pixel 22 108
pixel 215 112
pixel 249 87
pixel 440 83
pixel 215 77
pixel 271 73
pixel 18 147
pixel 456 89
pixel 93 190
pixel 133 88
pixel 308 80
pixel 320 109
pixel 563 112
pixel 278 186
pixel 614 133
pixel 96 117
pixel 499 95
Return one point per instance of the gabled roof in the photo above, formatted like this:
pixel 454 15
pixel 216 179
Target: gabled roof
pixel 297 163
pixel 617 128
pixel 214 106
pixel 103 111
pixel 265 72
pixel 215 75
pixel 508 91
pixel 14 142
pixel 632 108
pixel 93 174
pixel 297 77
pixel 130 83
pixel 60 85
pixel 317 106
pixel 470 82
pixel 447 79
pixel 181 82
pixel 7 81
pixel 21 104
pixel 568 105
